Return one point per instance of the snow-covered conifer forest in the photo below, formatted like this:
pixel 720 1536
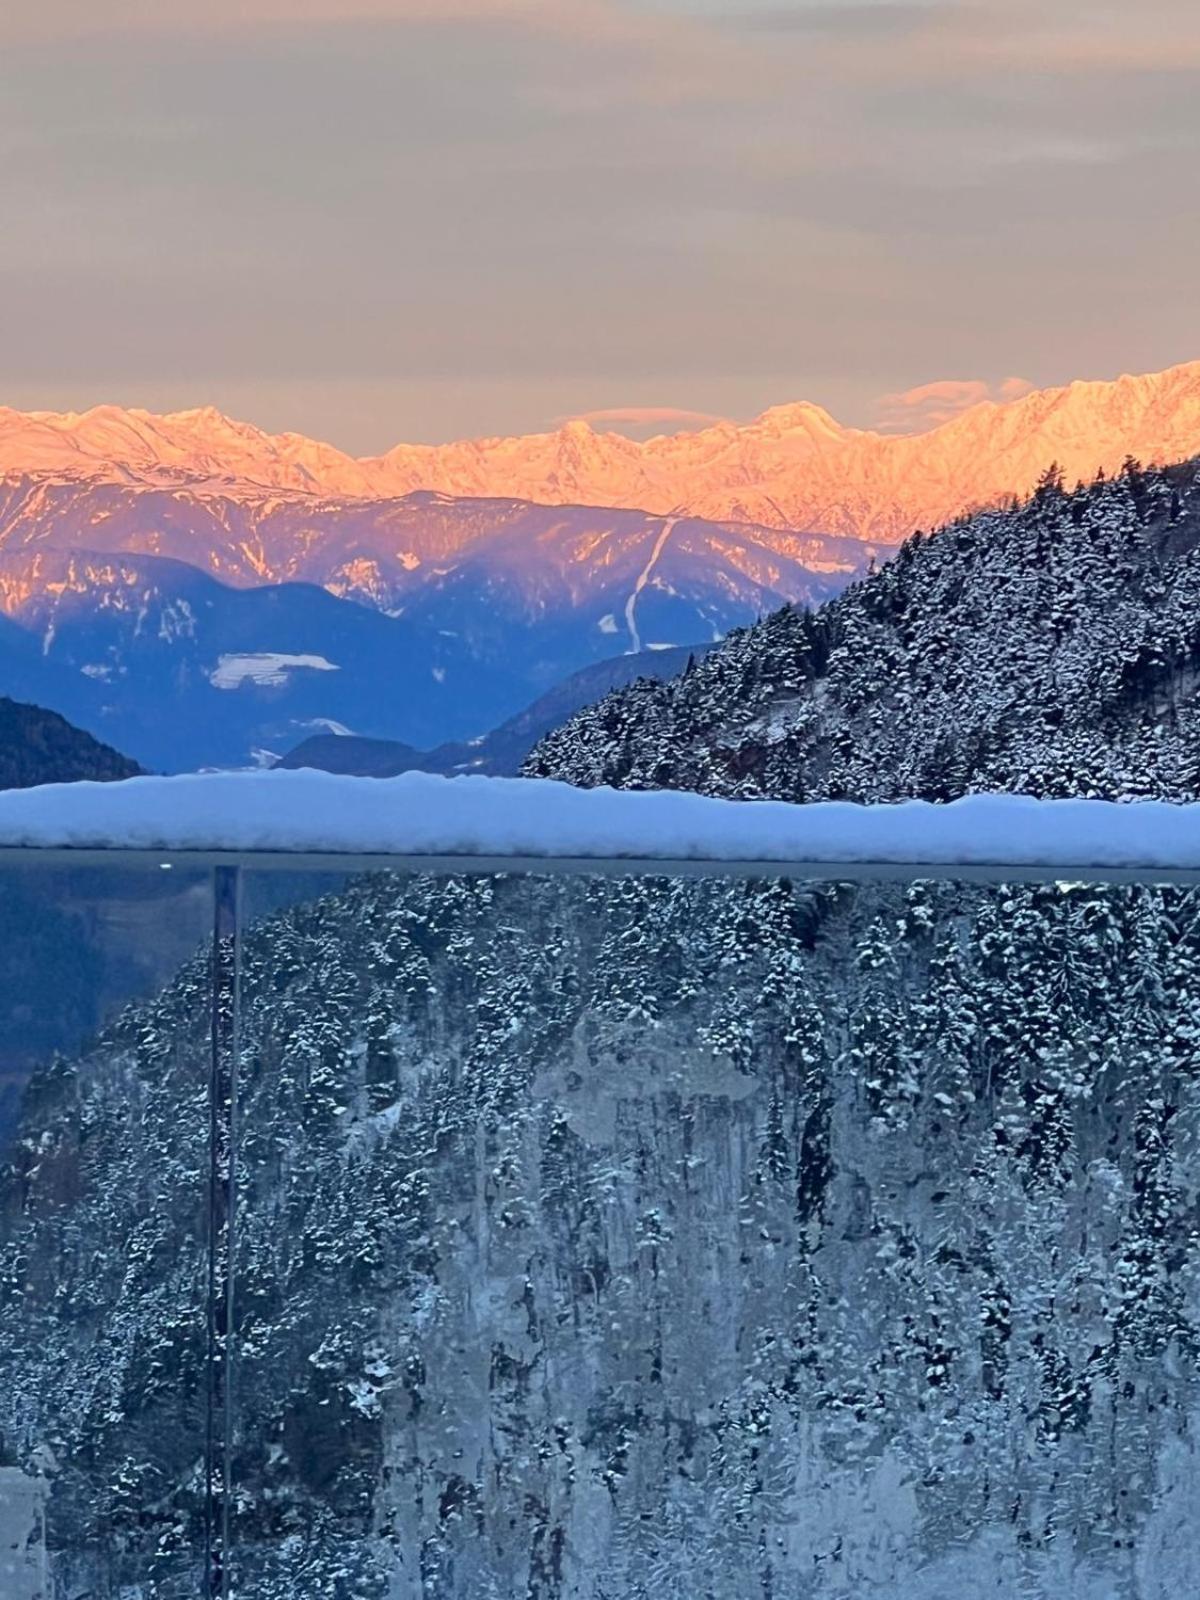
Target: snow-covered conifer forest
pixel 1049 649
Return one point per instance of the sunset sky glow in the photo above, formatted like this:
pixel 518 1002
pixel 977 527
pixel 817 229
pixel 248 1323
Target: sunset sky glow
pixel 380 219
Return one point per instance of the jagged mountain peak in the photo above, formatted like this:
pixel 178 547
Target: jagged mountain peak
pixel 794 466
pixel 800 416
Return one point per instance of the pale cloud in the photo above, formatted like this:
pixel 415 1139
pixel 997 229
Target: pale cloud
pixel 931 404
pixel 1065 152
pixel 941 40
pixel 1077 36
pixel 641 417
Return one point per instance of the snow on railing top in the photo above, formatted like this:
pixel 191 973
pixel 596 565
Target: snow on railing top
pixel 500 820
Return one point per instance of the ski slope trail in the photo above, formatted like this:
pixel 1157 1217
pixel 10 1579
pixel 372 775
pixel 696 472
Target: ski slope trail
pixel 660 544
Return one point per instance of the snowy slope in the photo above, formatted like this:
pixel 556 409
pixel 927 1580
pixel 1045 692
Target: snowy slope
pixel 531 592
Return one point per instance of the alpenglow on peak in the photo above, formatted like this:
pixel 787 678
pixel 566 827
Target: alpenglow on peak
pixel 794 466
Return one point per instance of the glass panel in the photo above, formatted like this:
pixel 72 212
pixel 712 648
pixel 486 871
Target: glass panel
pixel 637 1239
pixel 104 1007
pixel 601 1238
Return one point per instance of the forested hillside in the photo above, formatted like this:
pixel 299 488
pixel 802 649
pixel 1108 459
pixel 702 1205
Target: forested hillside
pixel 1050 648
pixel 613 1241
pixel 633 1240
pixel 38 746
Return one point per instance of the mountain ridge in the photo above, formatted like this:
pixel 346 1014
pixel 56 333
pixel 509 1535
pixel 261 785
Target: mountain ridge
pixel 787 468
pixel 1050 649
pixel 501 751
pixel 374 550
pixel 39 746
pixel 509 598
pixel 162 659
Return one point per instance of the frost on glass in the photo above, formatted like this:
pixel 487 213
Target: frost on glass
pixel 615 1239
pixel 103 994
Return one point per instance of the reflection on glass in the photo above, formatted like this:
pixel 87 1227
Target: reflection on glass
pixel 620 1238
pixel 635 1238
pixel 104 986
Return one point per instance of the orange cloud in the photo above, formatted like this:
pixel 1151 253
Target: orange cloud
pixel 931 404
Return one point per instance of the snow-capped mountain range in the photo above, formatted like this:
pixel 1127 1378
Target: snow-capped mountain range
pixel 792 467
pixel 530 561
pixel 465 580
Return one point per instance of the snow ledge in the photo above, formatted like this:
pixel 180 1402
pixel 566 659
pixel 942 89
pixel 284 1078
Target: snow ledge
pixel 422 815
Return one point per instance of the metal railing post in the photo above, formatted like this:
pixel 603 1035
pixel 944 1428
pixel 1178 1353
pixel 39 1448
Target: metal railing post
pixel 222 1198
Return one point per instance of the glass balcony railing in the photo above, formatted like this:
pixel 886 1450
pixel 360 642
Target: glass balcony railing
pixel 375 1236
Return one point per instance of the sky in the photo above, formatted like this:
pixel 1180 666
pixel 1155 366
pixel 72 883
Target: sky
pixel 375 220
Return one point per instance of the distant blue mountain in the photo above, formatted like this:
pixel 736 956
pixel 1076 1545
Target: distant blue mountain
pixel 194 627
pixel 160 660
pixel 501 752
